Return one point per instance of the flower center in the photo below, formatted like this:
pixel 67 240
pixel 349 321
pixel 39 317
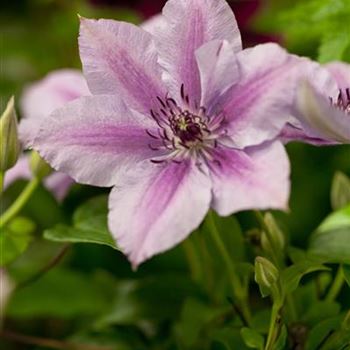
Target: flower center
pixel 343 101
pixel 186 131
pixel 188 127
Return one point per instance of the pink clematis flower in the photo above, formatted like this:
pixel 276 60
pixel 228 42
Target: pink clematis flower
pixel 37 102
pixel 323 116
pixel 180 120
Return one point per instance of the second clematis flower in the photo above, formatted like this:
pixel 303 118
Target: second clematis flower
pixel 327 115
pixel 37 102
pixel 322 113
pixel 180 120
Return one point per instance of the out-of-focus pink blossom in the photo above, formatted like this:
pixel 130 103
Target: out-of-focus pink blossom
pixel 322 115
pixel 38 101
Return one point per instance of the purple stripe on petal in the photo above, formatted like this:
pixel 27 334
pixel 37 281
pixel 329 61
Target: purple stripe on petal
pixel 94 138
pixel 156 209
pixel 189 25
pixel 120 58
pixel 254 178
pixel 259 106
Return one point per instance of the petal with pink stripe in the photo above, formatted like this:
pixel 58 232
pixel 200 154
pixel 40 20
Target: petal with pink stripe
pixel 157 209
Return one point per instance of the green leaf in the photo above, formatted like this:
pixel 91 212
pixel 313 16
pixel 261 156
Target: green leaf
pixel 334 45
pixel 319 311
pixel 195 315
pixel 152 298
pixel 62 293
pixel 340 191
pixel 217 345
pixel 62 233
pixel 93 207
pixel 346 272
pixel 229 338
pixel 341 338
pixel 252 338
pixel 90 225
pixel 261 320
pixel 322 330
pixel 336 220
pixel 291 276
pixel 296 254
pixel 331 241
pixel 331 246
pixel 15 239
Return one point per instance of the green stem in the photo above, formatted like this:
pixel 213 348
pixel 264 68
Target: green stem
pixel 2 176
pixel 336 286
pixel 236 285
pixel 20 202
pixel 48 343
pixel 192 258
pixel 274 327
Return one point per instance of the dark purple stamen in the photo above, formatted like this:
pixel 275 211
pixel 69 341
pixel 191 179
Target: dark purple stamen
pixel 185 129
pixel 343 100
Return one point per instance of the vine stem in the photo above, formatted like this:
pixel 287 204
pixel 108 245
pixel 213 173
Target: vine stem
pixel 48 343
pixel 19 202
pixel 274 327
pixel 52 263
pixel 2 177
pixel 241 301
pixel 192 258
pixel 336 286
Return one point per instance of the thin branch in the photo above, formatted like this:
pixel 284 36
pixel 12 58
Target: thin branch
pixel 52 263
pixel 48 343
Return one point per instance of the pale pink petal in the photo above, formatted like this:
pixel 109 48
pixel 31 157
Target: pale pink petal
pixel 292 132
pixel 158 209
pixel 21 170
pixel 94 138
pixel 59 184
pixel 120 59
pixel 254 178
pixel 58 87
pixel 153 24
pixel 320 118
pixel 190 24
pixel 218 71
pixel 41 98
pixel 341 73
pixel 263 101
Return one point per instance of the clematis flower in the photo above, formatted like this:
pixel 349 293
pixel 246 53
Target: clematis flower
pixel 180 120
pixel 38 101
pixel 323 116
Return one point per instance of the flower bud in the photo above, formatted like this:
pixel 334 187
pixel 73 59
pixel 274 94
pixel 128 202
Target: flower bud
pixel 9 144
pixel 266 275
pixel 278 240
pixel 38 166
